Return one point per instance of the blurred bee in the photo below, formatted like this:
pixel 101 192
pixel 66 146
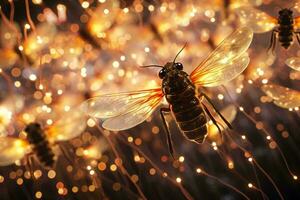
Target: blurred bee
pixel 284 27
pixel 41 140
pixel 282 96
pixel 126 110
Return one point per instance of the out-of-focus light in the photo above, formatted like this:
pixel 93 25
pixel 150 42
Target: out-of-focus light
pixel 85 4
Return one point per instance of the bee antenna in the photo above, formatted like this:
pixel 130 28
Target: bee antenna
pixel 279 7
pixel 179 52
pixel 145 66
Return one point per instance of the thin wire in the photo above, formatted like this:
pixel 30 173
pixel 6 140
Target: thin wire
pixel 28 15
pixel 123 169
pixel 12 11
pixel 183 190
pixel 263 130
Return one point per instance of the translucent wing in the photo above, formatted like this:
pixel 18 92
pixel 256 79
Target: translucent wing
pixel 294 63
pixel 7 58
pixel 123 110
pixel 257 20
pixel 70 125
pixel 96 150
pixel 282 96
pixel 297 6
pixel 236 4
pixel 297 22
pixel 11 150
pixel 226 62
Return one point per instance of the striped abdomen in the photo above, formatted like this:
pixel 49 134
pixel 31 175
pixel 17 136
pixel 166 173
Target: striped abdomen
pixel 40 144
pixel 285 35
pixel 189 114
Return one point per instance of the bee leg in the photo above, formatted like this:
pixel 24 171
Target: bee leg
pixel 212 118
pixel 65 154
pixel 29 164
pixel 163 111
pixel 222 117
pixel 273 41
pixel 298 36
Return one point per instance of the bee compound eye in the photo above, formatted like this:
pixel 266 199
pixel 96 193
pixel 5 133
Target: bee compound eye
pixel 162 73
pixel 179 66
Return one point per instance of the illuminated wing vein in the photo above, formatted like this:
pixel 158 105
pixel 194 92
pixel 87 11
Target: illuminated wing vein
pixel 282 96
pixel 123 110
pixel 257 20
pixel 226 62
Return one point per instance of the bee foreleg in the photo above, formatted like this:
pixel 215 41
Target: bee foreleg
pixel 222 117
pixel 163 111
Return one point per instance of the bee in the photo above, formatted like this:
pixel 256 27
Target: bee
pixel 284 27
pixel 39 141
pixel 282 96
pixel 126 110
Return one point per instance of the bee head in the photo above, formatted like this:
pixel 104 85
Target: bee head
pixel 32 127
pixel 285 12
pixel 34 132
pixel 170 69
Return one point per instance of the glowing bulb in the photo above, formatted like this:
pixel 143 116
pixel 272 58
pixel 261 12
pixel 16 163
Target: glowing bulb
pixel 181 159
pixel 85 4
pixel 27 26
pixel 32 77
pixel 106 11
pixel 21 48
pixel 92 172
